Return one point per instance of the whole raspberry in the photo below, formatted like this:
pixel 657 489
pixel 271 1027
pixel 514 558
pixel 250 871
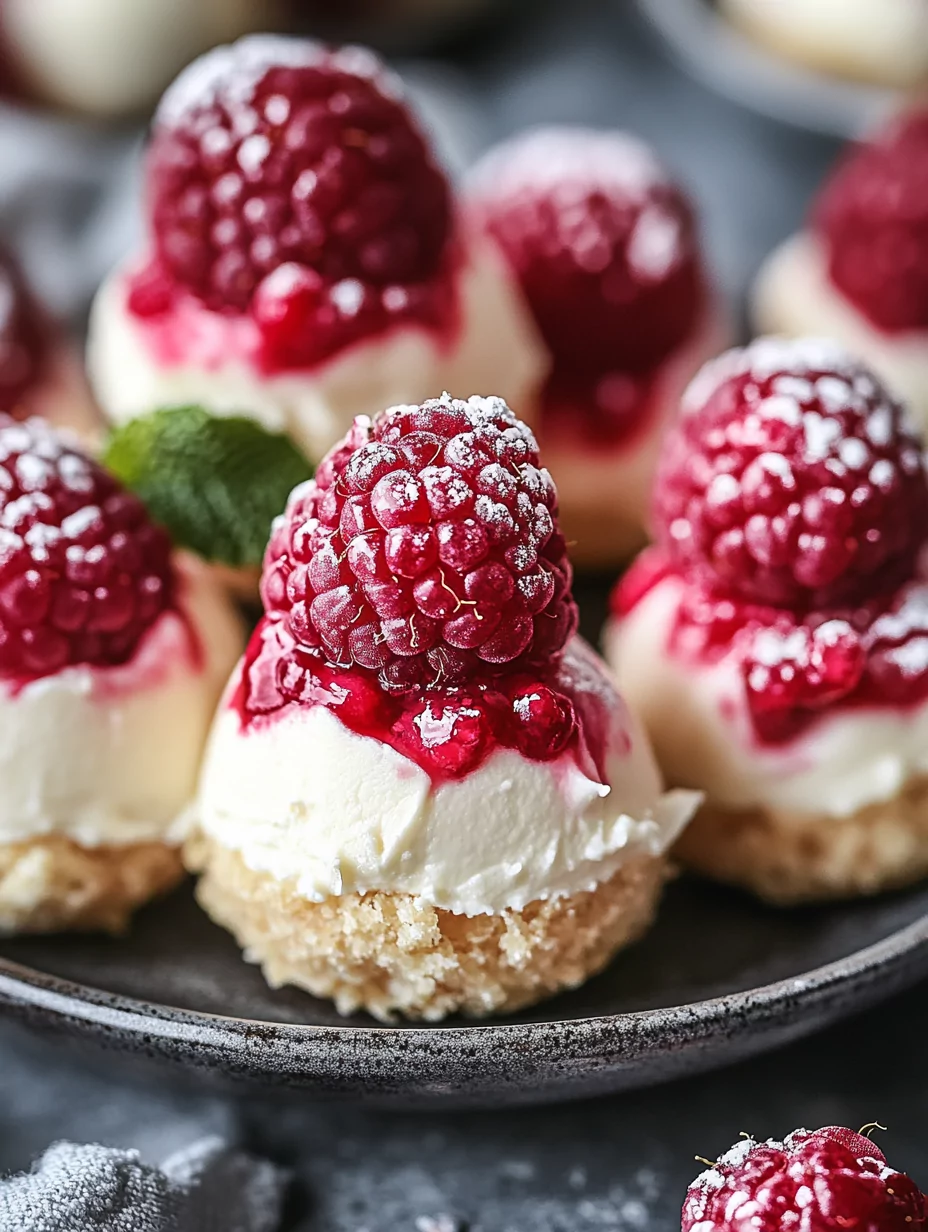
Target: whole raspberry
pixel 280 151
pixel 873 216
pixel 604 246
pixel 831 1180
pixel 25 337
pixel 426 549
pixel 83 572
pixel 792 478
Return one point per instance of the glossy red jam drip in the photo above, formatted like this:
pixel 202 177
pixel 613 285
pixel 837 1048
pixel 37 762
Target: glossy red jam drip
pixel 797 667
pixel 447 732
pixel 296 322
pixel 873 216
pixel 605 249
pixel 26 340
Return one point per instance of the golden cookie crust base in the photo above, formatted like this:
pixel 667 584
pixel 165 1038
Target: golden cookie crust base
pixel 52 884
pixel 395 954
pixel 793 858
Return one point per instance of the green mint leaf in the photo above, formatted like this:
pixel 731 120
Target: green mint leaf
pixel 215 482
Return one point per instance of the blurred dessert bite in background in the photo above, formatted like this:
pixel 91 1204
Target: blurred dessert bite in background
pixel 884 42
pixel 305 261
pixel 858 271
pixel 605 247
pixel 108 59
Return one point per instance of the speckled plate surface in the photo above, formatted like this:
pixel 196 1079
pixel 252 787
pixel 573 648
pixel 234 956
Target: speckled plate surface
pixel 719 977
pixel 733 64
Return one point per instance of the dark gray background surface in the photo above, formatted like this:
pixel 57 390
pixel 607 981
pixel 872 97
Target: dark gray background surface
pixel 621 1163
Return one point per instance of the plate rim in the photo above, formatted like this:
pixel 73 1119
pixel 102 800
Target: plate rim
pixel 789 1004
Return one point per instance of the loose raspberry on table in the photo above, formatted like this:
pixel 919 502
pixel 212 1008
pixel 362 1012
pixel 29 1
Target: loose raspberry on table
pixel 83 572
pixel 873 217
pixel 426 549
pixel 829 1180
pixel 280 152
pixel 792 478
pixel 604 246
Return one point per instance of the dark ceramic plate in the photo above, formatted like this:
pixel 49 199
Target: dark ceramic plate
pixel 718 978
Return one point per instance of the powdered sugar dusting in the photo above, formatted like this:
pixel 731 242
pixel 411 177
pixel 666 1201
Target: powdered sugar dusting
pixel 230 74
pixel 553 158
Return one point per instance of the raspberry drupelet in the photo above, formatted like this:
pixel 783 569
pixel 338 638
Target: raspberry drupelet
pixel 605 248
pixel 112 655
pixel 827 1180
pixel 423 793
pixel 859 270
pixel 304 260
pixel 776 637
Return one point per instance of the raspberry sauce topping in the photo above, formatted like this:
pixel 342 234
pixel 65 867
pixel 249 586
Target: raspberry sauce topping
pixel 288 183
pixel 604 247
pixel 568 705
pixel 83 572
pixel 792 479
pixel 426 549
pixel 830 1180
pixel 873 216
pixel 26 338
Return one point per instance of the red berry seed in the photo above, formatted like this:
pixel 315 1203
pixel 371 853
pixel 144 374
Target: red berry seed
pixel 831 1180
pixel 792 478
pixel 281 155
pixel 873 217
pixel 83 572
pixel 604 246
pixel 426 549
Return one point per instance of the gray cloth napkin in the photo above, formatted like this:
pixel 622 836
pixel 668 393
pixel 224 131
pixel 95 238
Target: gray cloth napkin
pixel 207 1187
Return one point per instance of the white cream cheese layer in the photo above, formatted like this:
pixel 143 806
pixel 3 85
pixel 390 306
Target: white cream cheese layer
pixel 110 755
pixel 698 721
pixel 301 797
pixel 497 351
pixel 794 296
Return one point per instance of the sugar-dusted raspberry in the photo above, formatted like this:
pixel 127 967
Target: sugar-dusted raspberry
pixel 25 338
pixel 604 246
pixel 830 1180
pixel 426 549
pixel 83 572
pixel 281 152
pixel 792 478
pixel 873 217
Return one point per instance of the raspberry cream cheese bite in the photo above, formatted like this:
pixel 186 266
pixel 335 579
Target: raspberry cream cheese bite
pixel 859 271
pixel 112 656
pixel 304 262
pixel 775 641
pixel 884 42
pixel 40 374
pixel 604 247
pixel 107 58
pixel 422 793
